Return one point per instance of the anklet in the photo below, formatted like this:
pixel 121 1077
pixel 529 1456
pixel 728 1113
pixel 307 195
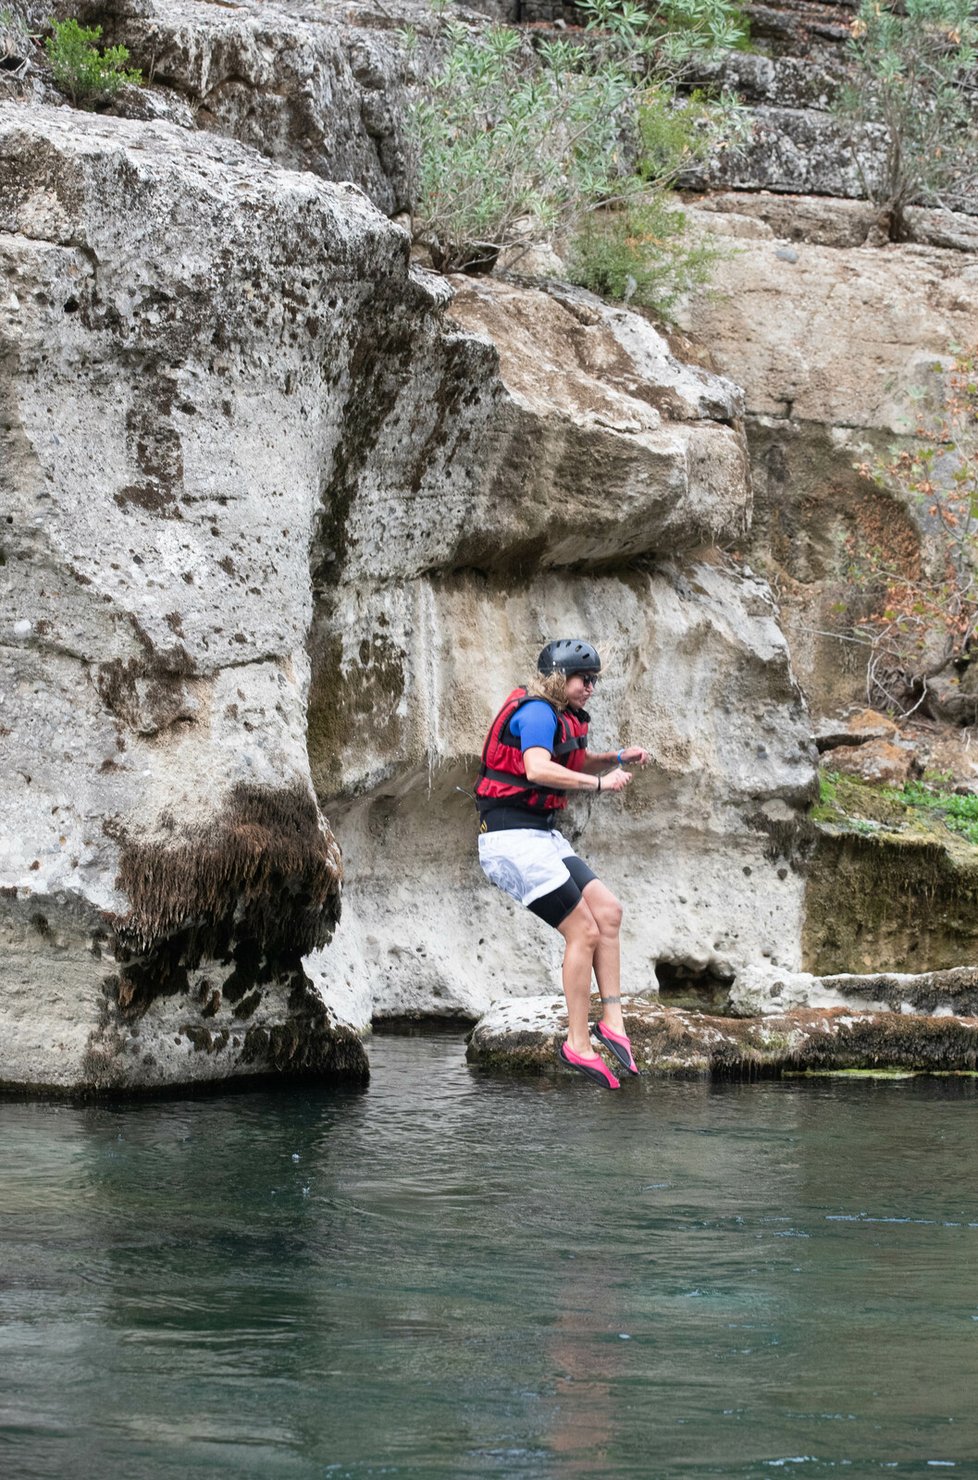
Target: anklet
pixel 610 999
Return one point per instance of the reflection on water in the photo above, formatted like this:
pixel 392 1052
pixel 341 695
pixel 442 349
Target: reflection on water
pixel 450 1274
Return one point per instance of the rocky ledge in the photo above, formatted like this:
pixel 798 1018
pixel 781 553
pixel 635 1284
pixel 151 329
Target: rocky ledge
pixel 524 1036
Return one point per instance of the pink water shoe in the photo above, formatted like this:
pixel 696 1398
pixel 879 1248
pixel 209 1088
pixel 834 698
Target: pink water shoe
pixel 594 1067
pixel 617 1044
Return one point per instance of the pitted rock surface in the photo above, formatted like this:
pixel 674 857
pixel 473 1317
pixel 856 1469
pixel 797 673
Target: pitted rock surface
pixel 290 517
pixel 701 849
pixel 182 326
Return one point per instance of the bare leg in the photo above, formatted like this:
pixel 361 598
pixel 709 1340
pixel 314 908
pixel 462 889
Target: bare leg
pixel 582 937
pixel 607 913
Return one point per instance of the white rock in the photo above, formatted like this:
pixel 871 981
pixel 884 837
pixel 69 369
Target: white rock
pixel 692 673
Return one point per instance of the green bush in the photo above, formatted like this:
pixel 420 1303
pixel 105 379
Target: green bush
pixel 84 73
pixel 639 253
pixel 911 94
pixel 516 141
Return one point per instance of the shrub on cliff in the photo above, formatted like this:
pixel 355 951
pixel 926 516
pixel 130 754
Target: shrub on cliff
pixel 639 253
pixel 911 95
pixel 637 250
pixel 84 73
pixel 520 138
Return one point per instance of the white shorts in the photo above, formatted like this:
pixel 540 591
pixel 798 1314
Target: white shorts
pixel 525 862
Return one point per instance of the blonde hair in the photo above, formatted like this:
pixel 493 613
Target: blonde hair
pixel 549 686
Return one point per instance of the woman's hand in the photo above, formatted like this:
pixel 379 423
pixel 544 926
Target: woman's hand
pixel 634 755
pixel 616 780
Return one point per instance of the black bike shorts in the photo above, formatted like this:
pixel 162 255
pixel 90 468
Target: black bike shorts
pixel 557 905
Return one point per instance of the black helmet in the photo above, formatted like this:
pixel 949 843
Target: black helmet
pixel 569 655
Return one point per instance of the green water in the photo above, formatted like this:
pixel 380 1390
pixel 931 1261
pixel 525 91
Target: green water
pixel 449 1274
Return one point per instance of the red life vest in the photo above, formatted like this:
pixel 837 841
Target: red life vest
pixel 502 775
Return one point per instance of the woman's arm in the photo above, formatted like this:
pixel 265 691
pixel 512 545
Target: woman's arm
pixel 600 760
pixel 543 770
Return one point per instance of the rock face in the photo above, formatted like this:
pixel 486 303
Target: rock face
pixel 313 86
pixel 788 83
pixel 830 341
pixel 829 333
pixel 286 518
pixel 892 883
pixel 181 327
pixel 883 901
pixel 275 520
pixel 698 852
pixel 762 990
pixel 593 447
pixel 789 149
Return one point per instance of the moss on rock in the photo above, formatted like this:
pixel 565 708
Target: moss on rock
pixel 889 888
pixel 258 886
pixel 347 698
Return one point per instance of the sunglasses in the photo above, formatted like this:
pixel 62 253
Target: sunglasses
pixel 590 680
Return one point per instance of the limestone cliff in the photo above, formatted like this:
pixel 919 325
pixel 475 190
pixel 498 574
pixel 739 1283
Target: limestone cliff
pixel 287 516
pixel 830 339
pixel 834 332
pixel 314 85
pixel 257 481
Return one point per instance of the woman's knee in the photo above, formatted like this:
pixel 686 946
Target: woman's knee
pixel 605 908
pixel 608 916
pixel 581 928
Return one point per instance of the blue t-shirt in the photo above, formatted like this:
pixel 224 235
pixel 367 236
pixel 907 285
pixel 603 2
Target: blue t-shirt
pixel 536 724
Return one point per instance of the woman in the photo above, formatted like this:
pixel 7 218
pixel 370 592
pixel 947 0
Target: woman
pixel 535 753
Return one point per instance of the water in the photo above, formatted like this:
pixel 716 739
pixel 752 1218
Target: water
pixel 450 1274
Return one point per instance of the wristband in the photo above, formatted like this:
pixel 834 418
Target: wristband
pixel 619 757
